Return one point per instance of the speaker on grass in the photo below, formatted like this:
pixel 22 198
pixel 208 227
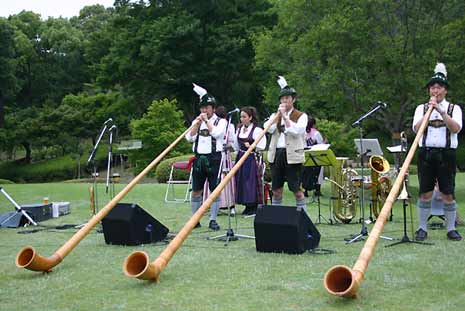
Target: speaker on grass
pixel 129 224
pixel 284 229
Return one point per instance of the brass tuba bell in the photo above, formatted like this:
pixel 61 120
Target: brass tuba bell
pixel 380 186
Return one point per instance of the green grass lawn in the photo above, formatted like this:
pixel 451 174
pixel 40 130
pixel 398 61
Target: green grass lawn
pixel 206 275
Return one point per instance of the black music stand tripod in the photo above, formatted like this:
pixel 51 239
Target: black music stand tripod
pixel 317 195
pixel 364 231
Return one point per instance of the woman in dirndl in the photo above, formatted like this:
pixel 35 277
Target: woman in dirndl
pixel 249 178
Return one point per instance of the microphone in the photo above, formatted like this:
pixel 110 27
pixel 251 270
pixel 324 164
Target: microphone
pixel 381 104
pixel 112 128
pixel 234 111
pixel 108 121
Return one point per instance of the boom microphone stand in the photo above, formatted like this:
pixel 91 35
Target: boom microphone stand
pixel 364 231
pixel 92 159
pixel 225 166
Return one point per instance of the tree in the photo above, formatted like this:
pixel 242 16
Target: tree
pixel 158 128
pixel 344 56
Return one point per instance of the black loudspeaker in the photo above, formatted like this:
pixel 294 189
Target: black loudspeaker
pixel 129 224
pixel 284 229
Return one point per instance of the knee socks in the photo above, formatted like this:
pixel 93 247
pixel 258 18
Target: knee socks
pixel 424 210
pixel 450 211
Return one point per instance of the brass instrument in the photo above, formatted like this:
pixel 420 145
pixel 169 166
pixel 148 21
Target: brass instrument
pixel 343 281
pixel 380 186
pixel 343 190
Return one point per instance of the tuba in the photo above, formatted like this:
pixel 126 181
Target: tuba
pixel 343 191
pixel 380 186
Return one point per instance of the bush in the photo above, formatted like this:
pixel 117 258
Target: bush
pixel 57 169
pixel 157 129
pixel 5 181
pixel 162 172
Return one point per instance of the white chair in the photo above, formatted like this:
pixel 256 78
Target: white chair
pixel 170 194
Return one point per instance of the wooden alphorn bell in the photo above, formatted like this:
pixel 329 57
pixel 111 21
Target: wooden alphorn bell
pixel 137 264
pixel 29 259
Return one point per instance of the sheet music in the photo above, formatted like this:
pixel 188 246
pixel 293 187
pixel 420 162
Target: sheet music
pixel 320 147
pixel 396 149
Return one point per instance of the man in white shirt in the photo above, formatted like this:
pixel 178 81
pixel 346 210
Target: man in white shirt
pixel 207 136
pixel 437 153
pixel 286 150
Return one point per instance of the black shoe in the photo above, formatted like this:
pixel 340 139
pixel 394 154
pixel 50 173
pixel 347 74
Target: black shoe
pixel 214 225
pixel 198 225
pixel 454 235
pixel 420 235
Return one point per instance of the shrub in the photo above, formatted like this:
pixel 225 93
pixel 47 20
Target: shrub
pixel 162 172
pixel 158 128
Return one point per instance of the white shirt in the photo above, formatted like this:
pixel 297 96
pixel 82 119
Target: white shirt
pixel 257 131
pixel 436 136
pixel 296 128
pixel 205 142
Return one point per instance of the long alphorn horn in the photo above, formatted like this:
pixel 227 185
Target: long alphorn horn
pixel 28 257
pixel 137 264
pixel 341 280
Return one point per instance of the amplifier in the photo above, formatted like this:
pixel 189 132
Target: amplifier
pixel 38 212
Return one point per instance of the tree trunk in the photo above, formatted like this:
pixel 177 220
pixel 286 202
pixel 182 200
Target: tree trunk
pixel 2 112
pixel 27 148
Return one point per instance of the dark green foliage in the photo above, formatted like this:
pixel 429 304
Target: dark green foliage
pixel 157 129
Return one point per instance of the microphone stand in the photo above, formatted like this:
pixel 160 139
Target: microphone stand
pixel 110 150
pixel 364 231
pixel 92 159
pixel 18 210
pixel 405 197
pixel 225 165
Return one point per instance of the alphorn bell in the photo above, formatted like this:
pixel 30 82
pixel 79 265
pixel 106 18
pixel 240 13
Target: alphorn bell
pixel 28 257
pixel 137 264
pixel 341 280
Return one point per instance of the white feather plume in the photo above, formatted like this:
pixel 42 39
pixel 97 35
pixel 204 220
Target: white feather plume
pixel 199 90
pixel 440 67
pixel 282 82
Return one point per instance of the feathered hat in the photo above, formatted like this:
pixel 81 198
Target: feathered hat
pixel 205 98
pixel 440 76
pixel 285 88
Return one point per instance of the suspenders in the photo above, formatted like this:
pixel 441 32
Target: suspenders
pixel 215 123
pixel 450 109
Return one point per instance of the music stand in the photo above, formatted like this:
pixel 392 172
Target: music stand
pixel 320 155
pixel 365 147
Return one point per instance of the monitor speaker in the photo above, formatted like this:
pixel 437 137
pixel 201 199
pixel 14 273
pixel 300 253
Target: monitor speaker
pixel 129 224
pixel 284 229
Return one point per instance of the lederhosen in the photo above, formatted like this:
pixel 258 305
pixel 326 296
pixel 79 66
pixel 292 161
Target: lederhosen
pixel 437 164
pixel 248 177
pixel 282 171
pixel 206 166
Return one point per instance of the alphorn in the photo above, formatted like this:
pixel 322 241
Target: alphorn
pixel 342 281
pixel 28 257
pixel 137 264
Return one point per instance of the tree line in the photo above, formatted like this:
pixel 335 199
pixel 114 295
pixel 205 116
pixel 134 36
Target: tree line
pixel 60 79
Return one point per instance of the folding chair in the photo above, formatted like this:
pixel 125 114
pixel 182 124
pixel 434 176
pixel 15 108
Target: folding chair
pixel 170 194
